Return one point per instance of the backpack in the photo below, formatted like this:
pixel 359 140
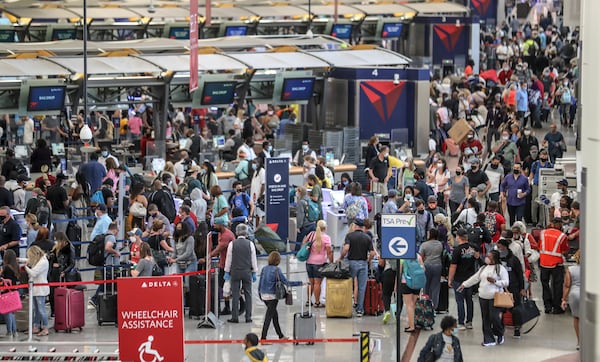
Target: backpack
pixel 414 274
pixel 430 191
pixel 43 211
pixel 565 97
pixel 165 203
pixel 490 222
pixel 97 198
pixel 21 169
pixel 182 188
pixel 95 251
pixel 250 172
pixel 353 210
pixel 475 235
pixel 312 211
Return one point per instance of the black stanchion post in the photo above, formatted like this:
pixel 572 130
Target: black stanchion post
pixel 398 312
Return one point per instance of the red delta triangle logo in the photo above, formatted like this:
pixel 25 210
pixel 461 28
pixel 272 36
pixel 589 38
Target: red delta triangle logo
pixel 481 6
pixel 383 96
pixel 448 34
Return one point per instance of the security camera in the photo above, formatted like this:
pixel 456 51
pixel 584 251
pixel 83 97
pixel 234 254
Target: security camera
pixel 151 9
pixel 396 78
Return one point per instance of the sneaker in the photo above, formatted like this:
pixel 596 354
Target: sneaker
pixel 469 325
pixel 491 344
pixel 386 317
pixel 461 327
pixel 359 314
pixel 517 333
pixel 91 304
pixel 500 339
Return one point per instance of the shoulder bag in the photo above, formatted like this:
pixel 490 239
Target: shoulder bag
pixel 504 299
pixel 280 287
pixel 10 301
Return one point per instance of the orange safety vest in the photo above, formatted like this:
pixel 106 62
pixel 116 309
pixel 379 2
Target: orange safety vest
pixel 550 247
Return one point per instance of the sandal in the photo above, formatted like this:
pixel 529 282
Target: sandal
pixel 319 305
pixel 43 332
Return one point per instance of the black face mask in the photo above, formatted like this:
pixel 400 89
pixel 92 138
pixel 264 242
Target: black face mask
pixel 421 211
pixel 238 191
pixel 494 166
pixel 516 172
pixel 544 159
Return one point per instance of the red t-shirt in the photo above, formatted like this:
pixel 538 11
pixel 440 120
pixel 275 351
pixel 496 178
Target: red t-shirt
pixel 225 237
pixel 499 222
pixel 474 145
pixel 134 249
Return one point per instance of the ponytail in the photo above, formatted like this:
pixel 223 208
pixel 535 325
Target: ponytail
pixel 318 243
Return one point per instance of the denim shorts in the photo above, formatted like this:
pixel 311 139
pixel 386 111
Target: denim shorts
pixel 404 289
pixel 313 270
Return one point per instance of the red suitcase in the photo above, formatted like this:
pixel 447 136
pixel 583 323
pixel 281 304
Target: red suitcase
pixel 69 309
pixel 373 298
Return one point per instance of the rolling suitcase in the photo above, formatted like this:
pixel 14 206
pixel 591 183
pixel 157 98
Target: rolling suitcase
pixel 106 308
pixel 22 316
pixel 305 323
pixel 374 298
pixel 339 298
pixel 197 295
pixel 443 298
pixel 424 313
pixel 69 311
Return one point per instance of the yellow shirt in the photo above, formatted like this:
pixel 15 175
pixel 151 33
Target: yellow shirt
pixel 123 126
pixel 394 162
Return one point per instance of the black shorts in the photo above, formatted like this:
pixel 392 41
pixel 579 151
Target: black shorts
pixel 404 289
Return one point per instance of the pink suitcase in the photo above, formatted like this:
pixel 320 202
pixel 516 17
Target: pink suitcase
pixel 69 309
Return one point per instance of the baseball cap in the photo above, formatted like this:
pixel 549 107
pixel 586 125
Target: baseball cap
pixel 392 193
pixel 563 182
pixel 101 207
pixel 359 222
pixel 462 232
pixel 135 231
pixel 432 199
pixel 22 178
pixel 220 221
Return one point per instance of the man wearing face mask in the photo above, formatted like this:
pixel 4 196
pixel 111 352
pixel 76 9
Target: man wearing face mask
pixel 505 73
pixel 378 172
pixel 507 150
pixel 562 190
pixel 514 190
pixel 477 177
pixel 516 282
pixel 495 117
pixel 495 174
pixel 534 179
pixel 248 148
pixel 555 143
pixel 553 246
pixel 241 200
pixel 303 152
pixel 162 197
pixel 526 142
pixel 472 144
pixel 266 150
pixel 10 232
pixel 104 155
pixel 154 214
pixel 102 221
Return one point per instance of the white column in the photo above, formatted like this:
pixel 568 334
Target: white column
pixel 590 137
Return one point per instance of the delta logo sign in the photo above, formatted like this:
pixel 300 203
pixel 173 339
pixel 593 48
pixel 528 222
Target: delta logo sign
pixel 481 7
pixel 383 96
pixel 449 34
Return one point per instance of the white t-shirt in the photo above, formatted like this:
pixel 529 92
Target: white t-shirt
pixel 257 181
pixel 494 176
pixel 448 351
pixel 28 127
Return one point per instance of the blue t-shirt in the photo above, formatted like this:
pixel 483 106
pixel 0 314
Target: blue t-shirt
pixel 241 201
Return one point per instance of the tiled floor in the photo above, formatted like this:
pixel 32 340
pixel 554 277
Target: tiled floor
pixel 553 337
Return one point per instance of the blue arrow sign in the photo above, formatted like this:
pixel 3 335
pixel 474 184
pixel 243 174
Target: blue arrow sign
pixel 398 236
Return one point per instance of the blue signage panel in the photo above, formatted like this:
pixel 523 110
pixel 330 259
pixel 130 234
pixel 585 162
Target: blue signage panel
pixel 277 195
pixel 398 236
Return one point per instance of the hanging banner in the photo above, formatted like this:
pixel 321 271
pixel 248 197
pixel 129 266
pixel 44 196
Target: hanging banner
pixel 193 45
pixel 150 312
pixel 277 195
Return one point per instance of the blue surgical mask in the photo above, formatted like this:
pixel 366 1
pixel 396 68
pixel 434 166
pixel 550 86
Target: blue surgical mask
pixel 254 166
pixel 104 153
pixel 345 182
pixel 455 331
pixel 270 148
pixel 305 148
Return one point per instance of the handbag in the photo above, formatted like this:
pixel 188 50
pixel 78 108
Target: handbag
pixel 304 252
pixel 339 270
pixel 289 298
pixel 394 304
pixel 159 258
pixel 504 299
pixel 526 312
pixel 138 209
pixel 429 356
pixel 227 289
pixel 280 288
pixel 11 300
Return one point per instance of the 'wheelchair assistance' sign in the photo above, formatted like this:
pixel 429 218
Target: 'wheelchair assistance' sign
pixel 398 236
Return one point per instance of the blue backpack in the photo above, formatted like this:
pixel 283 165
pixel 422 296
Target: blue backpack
pixel 312 211
pixel 97 198
pixel 414 274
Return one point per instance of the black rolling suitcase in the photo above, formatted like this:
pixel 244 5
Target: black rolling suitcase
pixel 443 306
pixel 106 304
pixel 196 298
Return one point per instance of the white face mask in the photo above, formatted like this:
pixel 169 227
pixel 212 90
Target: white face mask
pixel 304 148
pixel 527 133
pixel 132 239
pixel 505 138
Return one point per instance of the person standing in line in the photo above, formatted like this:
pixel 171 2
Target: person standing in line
pixel 240 268
pixel 378 172
pixel 359 249
pixel 516 284
pixel 514 190
pixel 37 269
pixel 320 253
pixel 462 268
pixel 431 252
pixel 492 278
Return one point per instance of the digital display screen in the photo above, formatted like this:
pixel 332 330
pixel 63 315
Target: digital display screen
pixel 342 31
pixel 240 30
pixel 58 149
pixel 391 30
pixel 179 33
pixel 297 89
pixel 7 36
pixel 218 93
pixel 64 34
pixel 218 141
pixel 46 98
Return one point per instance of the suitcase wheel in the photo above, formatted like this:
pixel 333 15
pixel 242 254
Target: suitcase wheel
pixel 295 343
pixel 310 343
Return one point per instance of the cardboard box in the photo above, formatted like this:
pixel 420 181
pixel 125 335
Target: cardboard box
pixel 459 131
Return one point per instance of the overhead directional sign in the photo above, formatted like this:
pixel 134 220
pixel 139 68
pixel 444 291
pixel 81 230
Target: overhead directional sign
pixel 398 236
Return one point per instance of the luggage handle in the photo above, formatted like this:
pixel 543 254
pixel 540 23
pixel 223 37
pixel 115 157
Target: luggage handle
pixel 302 301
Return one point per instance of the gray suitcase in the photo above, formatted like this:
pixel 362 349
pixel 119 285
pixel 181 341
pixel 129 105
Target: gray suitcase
pixel 305 324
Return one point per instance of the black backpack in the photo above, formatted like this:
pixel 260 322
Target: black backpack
pixel 43 211
pixel 475 235
pixel 163 199
pixel 95 250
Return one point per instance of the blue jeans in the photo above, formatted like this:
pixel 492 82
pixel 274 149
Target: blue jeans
pixel 11 323
pixel 466 296
pixel 40 316
pixel 360 269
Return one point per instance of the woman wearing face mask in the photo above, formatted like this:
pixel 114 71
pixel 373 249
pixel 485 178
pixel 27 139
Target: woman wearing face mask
pixel 408 173
pixel 146 262
pixel 37 269
pixel 444 346
pixel 184 256
pixel 208 175
pixel 441 176
pixel 345 180
pixel 492 278
pixel 409 197
pixel 170 170
pixel 516 281
pixel 507 149
pixel 257 187
pixel 525 143
pixel 459 189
